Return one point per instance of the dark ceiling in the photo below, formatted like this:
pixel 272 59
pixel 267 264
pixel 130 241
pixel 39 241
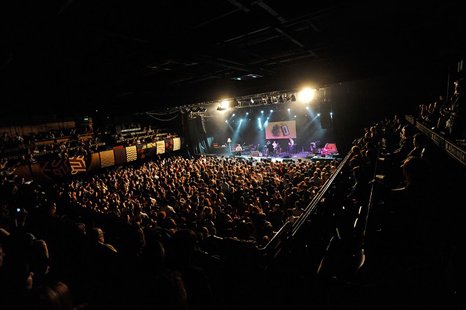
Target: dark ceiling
pixel 76 55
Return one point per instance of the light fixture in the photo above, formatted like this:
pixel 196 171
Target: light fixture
pixel 306 95
pixel 223 105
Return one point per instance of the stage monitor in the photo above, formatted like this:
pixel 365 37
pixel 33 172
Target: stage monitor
pixel 280 130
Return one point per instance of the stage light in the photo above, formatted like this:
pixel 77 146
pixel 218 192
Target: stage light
pixel 262 111
pixel 224 104
pixel 306 95
pixel 271 111
pixel 318 114
pixel 247 113
pixel 289 109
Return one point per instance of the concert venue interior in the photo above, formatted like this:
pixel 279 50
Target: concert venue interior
pixel 232 154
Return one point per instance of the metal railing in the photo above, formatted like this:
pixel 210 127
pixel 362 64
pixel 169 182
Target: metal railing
pixel 289 230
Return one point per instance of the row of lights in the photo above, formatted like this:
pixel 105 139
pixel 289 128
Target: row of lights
pixel 271 111
pixel 305 96
pixel 195 109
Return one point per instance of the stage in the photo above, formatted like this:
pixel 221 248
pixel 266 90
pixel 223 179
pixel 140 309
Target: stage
pixel 287 157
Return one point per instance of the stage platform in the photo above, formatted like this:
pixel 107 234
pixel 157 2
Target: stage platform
pixel 281 157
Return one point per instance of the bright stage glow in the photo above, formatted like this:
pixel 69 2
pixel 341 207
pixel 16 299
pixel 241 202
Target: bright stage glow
pixel 306 95
pixel 224 104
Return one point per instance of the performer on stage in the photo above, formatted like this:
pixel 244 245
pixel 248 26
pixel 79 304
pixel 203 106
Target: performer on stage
pixel 238 149
pixel 269 147
pixel 291 146
pixel 275 147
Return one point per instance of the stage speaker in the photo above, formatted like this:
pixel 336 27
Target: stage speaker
pixel 266 159
pixel 288 160
pixel 255 153
pixel 325 107
pixel 326 120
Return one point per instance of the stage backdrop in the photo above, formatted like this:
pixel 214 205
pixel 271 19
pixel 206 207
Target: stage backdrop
pixel 280 130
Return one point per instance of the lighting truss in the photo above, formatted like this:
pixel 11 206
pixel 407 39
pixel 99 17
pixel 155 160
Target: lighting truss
pixel 265 99
pixel 248 101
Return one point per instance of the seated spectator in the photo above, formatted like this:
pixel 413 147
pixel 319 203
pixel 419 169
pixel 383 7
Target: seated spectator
pixel 96 235
pixel 412 233
pixel 54 296
pixel 198 288
pixel 39 261
pixel 420 142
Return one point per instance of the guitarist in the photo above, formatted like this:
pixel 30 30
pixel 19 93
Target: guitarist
pixel 291 145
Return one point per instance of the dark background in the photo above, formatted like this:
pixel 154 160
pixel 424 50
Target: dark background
pixel 72 57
